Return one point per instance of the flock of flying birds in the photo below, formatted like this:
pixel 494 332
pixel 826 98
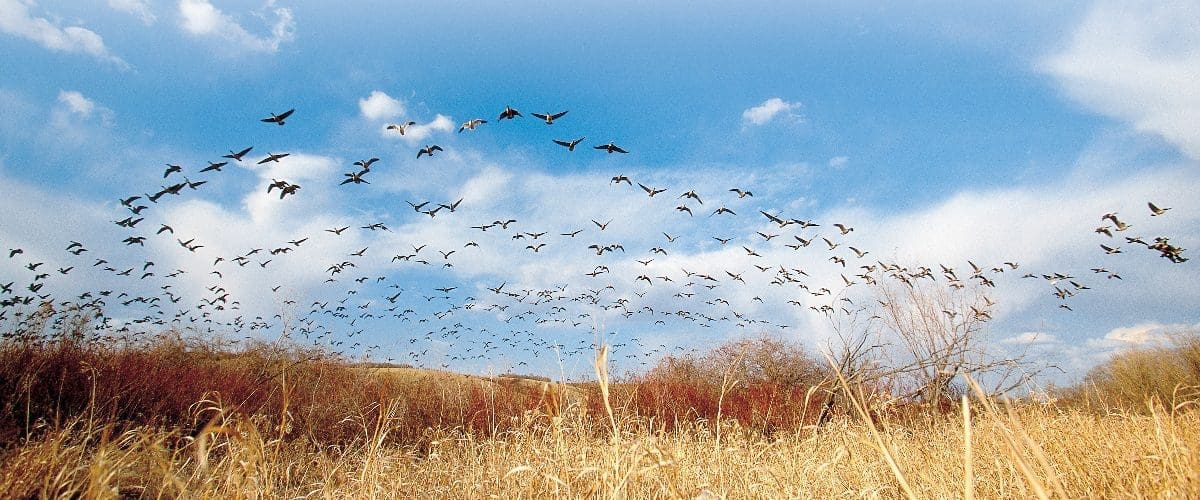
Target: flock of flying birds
pixel 433 323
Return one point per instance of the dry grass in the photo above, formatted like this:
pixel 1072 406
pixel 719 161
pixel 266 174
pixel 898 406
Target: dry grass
pixel 320 429
pixel 1025 453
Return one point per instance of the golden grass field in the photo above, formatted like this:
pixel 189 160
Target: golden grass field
pixel 563 442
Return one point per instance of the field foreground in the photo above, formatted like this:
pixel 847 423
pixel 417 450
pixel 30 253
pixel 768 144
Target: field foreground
pixel 1025 453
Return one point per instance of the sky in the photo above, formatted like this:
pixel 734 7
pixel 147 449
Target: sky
pixel 941 134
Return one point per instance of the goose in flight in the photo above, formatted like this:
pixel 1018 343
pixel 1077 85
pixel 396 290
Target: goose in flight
pixel 401 127
pixel 649 190
pixel 355 177
pixel 451 207
pixel 509 113
pixel 617 179
pixel 741 193
pixel 549 118
pixel 723 210
pixel 1155 210
pixel 215 166
pixel 275 157
pixel 278 119
pixel 471 124
pixel 238 155
pixel 366 164
pixel 570 145
pixel 428 150
pixel 611 148
pixel 172 169
pixel 285 187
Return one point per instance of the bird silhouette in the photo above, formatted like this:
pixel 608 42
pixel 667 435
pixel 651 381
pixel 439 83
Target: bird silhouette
pixel 611 148
pixel 238 155
pixel 570 145
pixel 649 190
pixel 509 113
pixel 428 150
pixel 549 118
pixel 275 157
pixel 278 119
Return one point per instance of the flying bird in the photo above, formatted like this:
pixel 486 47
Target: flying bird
pixel 741 193
pixel 570 145
pixel 649 190
pixel 275 157
pixel 471 124
pixel 549 118
pixel 611 148
pixel 355 177
pixel 1155 210
pixel 401 127
pixel 366 164
pixel 238 155
pixel 278 119
pixel 216 166
pixel 428 150
pixel 509 113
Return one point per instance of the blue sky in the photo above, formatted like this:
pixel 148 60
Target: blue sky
pixel 942 134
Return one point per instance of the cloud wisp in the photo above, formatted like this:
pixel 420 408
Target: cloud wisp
pixel 1138 62
pixel 17 20
pixel 771 109
pixel 202 19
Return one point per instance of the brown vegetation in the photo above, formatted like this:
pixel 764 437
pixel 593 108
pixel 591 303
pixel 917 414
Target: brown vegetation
pixel 179 418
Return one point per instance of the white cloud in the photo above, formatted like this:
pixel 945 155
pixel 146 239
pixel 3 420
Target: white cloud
pixel 76 102
pixel 202 18
pixel 769 110
pixel 380 106
pixel 15 19
pixel 76 109
pixel 1031 338
pixel 839 161
pixel 1138 62
pixel 138 8
pixel 1140 335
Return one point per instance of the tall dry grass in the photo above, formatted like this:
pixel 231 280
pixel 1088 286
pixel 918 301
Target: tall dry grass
pixel 1027 452
pixel 310 425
